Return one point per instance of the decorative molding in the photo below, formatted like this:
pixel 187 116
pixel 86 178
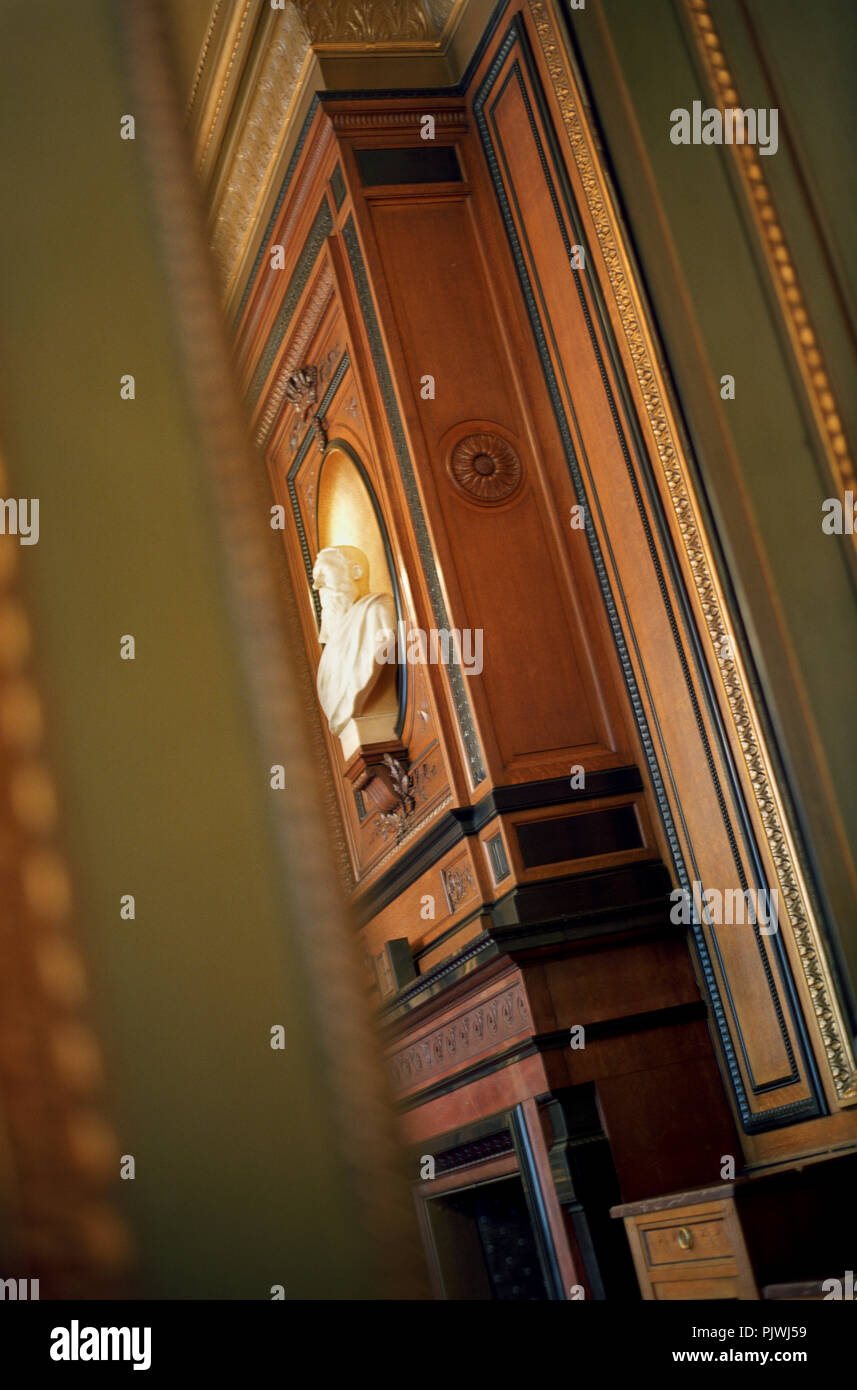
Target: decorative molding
pixel 486 468
pixel 291 476
pixel 320 230
pixel 497 855
pixel 451 120
pixel 312 315
pixel 708 949
pixel 302 393
pixel 366 25
pixel 805 343
pixel 475 1151
pixel 475 1031
pixel 261 138
pixel 831 1028
pixel 205 50
pixel 235 22
pixel 458 884
pixel 412 834
pixel 312 163
pixel 408 785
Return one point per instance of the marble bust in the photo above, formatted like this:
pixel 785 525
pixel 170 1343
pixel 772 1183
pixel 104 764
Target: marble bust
pixel 351 618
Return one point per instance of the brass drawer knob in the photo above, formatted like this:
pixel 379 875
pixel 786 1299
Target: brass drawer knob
pixel 685 1239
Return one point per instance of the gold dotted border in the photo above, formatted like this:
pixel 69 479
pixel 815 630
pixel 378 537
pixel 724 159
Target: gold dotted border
pixel 781 265
pixel 810 950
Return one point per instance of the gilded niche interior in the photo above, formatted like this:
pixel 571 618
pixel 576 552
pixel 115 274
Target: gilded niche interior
pixel 349 529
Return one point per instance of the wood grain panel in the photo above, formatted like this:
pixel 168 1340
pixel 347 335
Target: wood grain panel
pixel 760 1027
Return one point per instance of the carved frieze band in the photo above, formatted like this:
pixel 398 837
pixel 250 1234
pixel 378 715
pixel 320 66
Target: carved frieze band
pixel 262 136
pixel 462 1039
pixel 770 812
pixel 805 343
pixel 311 317
pixel 357 24
pixel 452 120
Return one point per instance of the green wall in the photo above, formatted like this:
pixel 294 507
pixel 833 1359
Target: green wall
pixel 238 1185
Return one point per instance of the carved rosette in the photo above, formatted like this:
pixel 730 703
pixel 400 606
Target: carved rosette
pixel 486 467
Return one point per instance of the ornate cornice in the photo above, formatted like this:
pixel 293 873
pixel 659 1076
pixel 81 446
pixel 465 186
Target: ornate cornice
pixel 311 317
pixel 805 343
pixel 274 56
pixel 261 138
pixel 768 803
pixel 369 24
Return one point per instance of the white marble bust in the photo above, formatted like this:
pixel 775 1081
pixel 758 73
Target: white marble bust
pixel 351 619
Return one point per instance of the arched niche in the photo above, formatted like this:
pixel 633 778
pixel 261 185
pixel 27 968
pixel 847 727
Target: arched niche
pixel 348 513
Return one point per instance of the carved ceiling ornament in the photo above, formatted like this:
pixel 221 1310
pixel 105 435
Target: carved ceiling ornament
pixel 486 467
pixel 301 391
pixel 370 22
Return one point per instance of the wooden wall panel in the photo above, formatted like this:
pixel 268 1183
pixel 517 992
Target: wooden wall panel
pixel 748 977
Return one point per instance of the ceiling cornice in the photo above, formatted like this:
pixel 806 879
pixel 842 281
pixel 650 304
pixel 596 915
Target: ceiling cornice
pixel 260 66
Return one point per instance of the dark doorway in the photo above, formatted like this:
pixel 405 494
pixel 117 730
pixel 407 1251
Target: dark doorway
pixel 484 1246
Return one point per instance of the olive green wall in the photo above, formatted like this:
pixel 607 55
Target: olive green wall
pixel 760 460
pixel 164 792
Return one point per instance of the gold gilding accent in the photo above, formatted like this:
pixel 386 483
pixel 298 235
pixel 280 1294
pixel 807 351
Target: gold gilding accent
pixel 264 130
pixel 202 61
pixel 805 344
pixel 366 25
pixel 346 517
pixel 769 807
pixel 297 32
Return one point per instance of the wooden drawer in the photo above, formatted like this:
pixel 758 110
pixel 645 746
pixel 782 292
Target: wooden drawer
pixel 687 1238
pixel 721 1286
pixel 690 1251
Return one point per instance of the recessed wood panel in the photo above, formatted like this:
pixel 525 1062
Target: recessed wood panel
pixel 500 561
